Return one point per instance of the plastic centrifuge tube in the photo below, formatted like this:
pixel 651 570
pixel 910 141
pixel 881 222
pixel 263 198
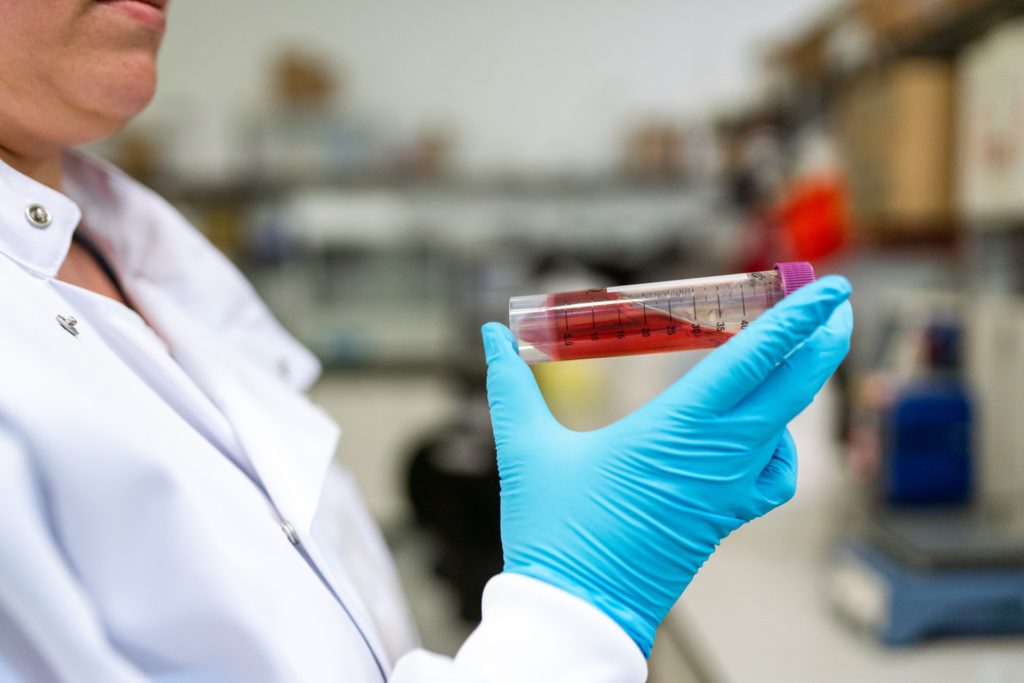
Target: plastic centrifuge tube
pixel 679 315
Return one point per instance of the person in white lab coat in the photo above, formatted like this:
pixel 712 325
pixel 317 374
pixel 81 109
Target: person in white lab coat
pixel 169 508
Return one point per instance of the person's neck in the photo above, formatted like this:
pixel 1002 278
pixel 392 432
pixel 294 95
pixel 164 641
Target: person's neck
pixel 45 167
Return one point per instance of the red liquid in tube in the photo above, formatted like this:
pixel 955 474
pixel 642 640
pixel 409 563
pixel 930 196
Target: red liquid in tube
pixel 681 315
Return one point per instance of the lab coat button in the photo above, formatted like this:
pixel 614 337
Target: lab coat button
pixel 289 531
pixel 68 322
pixel 38 215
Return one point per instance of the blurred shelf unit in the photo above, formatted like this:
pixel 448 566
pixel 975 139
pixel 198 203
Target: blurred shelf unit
pixel 380 273
pixel 249 189
pixel 865 35
pixel 579 216
pixel 924 100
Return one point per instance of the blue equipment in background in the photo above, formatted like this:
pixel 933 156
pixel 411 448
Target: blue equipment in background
pixel 927 444
pixel 929 563
pixel 926 432
pixel 976 588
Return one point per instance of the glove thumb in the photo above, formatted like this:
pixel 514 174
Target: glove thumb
pixel 777 482
pixel 512 392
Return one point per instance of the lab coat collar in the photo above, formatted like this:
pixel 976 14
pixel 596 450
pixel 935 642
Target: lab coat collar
pixel 40 250
pixel 145 239
pixel 215 325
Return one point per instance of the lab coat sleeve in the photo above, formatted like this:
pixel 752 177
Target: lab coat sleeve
pixel 532 631
pixel 48 629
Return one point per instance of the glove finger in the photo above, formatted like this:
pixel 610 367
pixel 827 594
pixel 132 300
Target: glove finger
pixel 793 384
pixel 738 367
pixel 517 405
pixel 777 481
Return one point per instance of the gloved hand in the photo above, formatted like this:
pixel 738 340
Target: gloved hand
pixel 625 515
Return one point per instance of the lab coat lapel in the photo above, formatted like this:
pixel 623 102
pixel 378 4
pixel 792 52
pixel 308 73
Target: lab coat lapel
pixel 288 441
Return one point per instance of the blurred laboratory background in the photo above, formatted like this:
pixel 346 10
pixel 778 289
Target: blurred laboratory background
pixel 389 173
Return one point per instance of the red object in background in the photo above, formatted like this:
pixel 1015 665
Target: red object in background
pixel 760 246
pixel 813 215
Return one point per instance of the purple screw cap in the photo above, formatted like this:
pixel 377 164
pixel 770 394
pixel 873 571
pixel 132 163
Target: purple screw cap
pixel 795 274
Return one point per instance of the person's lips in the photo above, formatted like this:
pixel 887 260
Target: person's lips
pixel 159 4
pixel 150 13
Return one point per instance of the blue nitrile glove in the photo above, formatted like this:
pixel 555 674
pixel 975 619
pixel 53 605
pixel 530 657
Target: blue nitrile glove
pixel 625 515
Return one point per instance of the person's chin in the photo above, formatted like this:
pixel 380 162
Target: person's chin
pixel 105 111
pixel 133 95
pixel 123 88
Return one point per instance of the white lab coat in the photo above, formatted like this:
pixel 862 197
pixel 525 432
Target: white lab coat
pixel 167 503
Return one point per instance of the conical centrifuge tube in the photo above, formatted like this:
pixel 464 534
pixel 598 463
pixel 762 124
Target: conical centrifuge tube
pixel 679 315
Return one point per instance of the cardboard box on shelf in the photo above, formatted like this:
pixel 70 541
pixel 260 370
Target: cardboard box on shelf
pixel 990 169
pixel 895 131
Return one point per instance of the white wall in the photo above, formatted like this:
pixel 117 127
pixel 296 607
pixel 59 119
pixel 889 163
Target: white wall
pixel 531 84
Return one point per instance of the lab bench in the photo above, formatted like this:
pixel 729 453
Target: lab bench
pixel 757 611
